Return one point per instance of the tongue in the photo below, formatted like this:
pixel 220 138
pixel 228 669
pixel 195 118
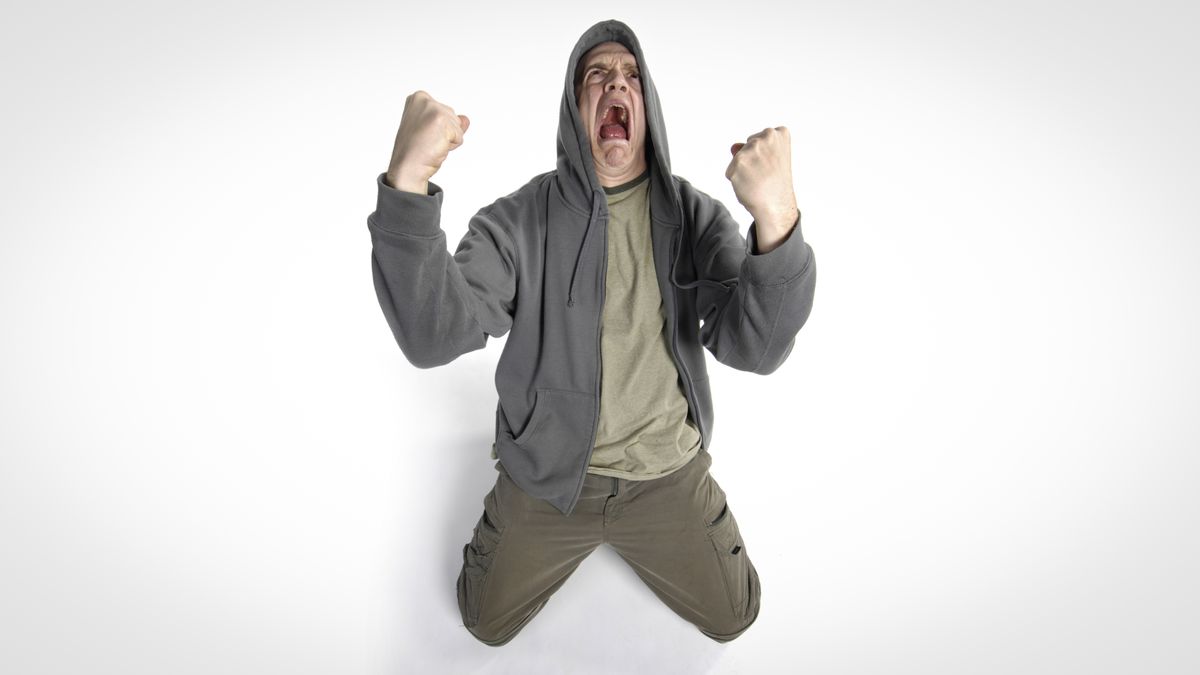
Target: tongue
pixel 613 131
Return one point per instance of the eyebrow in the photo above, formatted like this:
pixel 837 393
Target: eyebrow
pixel 598 64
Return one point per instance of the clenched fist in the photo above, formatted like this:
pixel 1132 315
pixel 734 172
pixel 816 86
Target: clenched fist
pixel 761 174
pixel 428 132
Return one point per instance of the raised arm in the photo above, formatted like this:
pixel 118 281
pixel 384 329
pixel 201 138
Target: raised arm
pixel 439 306
pixel 766 280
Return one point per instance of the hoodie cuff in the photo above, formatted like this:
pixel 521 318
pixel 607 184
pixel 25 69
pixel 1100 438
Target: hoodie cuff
pixel 779 265
pixel 408 213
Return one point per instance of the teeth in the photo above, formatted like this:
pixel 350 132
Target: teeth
pixel 622 114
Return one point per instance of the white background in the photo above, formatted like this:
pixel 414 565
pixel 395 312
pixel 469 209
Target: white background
pixel 979 458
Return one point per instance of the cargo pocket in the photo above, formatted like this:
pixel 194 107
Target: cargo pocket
pixel 726 539
pixel 479 556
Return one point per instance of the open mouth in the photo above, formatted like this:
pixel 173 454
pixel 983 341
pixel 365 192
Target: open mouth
pixel 614 123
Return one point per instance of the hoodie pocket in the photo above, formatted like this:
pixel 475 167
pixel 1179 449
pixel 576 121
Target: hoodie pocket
pixel 546 458
pixel 558 416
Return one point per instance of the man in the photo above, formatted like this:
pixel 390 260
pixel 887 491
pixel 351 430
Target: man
pixel 603 270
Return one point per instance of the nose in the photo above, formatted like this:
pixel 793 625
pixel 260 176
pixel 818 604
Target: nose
pixel 617 81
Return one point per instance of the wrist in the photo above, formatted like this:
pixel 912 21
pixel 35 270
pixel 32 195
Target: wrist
pixel 406 181
pixel 776 222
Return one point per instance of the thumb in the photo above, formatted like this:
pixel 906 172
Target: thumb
pixel 465 122
pixel 733 149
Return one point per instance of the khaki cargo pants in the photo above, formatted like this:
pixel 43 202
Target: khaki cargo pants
pixel 677 532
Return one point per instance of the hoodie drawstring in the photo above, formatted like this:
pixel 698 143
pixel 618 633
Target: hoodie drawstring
pixel 727 285
pixel 597 196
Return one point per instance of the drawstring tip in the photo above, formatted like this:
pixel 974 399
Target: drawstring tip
pixel 570 303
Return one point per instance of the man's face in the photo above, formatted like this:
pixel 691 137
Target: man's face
pixel 609 97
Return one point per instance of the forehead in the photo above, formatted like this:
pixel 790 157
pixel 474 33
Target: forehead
pixel 608 52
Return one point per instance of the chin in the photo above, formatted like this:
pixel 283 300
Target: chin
pixel 622 149
pixel 615 156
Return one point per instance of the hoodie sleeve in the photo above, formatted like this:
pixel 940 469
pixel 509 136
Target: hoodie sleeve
pixel 439 306
pixel 752 314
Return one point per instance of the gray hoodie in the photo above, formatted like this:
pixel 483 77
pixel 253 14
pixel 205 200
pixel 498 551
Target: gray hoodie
pixel 534 262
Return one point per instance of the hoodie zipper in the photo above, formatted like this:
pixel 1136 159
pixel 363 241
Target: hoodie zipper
pixel 599 346
pixel 687 377
pixel 599 323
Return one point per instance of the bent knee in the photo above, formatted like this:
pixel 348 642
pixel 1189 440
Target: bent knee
pixel 730 627
pixel 496 633
pixel 491 638
pixel 728 633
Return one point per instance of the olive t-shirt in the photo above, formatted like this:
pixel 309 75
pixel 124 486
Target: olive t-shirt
pixel 644 430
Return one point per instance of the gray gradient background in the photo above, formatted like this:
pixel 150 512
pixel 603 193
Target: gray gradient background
pixel 980 457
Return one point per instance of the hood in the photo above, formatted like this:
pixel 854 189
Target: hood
pixel 577 180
